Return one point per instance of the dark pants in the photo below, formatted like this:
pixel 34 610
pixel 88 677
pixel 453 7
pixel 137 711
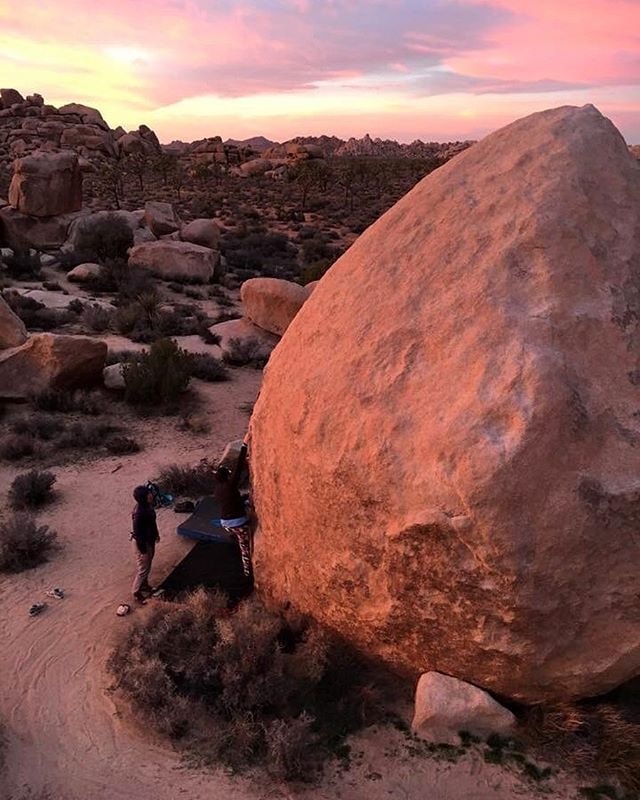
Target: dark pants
pixel 243 537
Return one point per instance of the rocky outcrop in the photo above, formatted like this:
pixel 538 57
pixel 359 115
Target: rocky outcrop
pixel 272 303
pixel 204 232
pixel 41 233
pixel 161 218
pixel 46 184
pixel 446 465
pixel 176 261
pixel 49 361
pixel 12 330
pixel 444 706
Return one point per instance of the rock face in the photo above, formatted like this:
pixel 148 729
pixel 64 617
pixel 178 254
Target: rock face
pixel 445 451
pixel 50 361
pixel 239 337
pixel 176 261
pixel 445 706
pixel 46 184
pixel 84 273
pixel 12 330
pixel 272 303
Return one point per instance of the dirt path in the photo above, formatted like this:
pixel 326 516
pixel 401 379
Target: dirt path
pixel 64 735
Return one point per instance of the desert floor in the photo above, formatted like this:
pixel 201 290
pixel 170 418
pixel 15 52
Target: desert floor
pixel 66 738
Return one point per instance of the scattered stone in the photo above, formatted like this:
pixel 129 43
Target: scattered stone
pixel 12 330
pixel 161 218
pixel 244 332
pixel 176 261
pixel 204 232
pixel 84 272
pixel 462 447
pixel 50 361
pixel 113 377
pixel 143 235
pixel 445 706
pixel 272 303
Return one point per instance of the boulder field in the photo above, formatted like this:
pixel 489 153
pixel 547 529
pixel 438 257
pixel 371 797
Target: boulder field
pixel 446 447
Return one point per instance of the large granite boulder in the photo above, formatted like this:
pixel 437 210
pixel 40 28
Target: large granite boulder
pixel 272 303
pixel 46 184
pixel 12 329
pixel 41 233
pixel 50 361
pixel 176 261
pixel 161 218
pixel 446 447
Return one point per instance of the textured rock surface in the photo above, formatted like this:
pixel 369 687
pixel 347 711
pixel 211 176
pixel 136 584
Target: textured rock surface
pixel 12 330
pixel 161 218
pixel 84 272
pixel 176 261
pixel 272 303
pixel 47 360
pixel 444 706
pixel 43 233
pixel 113 377
pixel 202 231
pixel 446 447
pixel 46 184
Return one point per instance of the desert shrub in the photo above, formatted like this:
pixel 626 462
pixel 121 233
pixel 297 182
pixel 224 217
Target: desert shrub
pixel 17 446
pixel 315 271
pixel 247 688
pixel 596 738
pixel 127 317
pixel 39 425
pixel 107 238
pixel 158 377
pixel 64 401
pixel 187 481
pixel 122 445
pixel 76 306
pixel 97 318
pixel 82 435
pixel 121 356
pixel 32 489
pixel 206 335
pixel 245 352
pixel 24 543
pixel 207 368
pixel 23 265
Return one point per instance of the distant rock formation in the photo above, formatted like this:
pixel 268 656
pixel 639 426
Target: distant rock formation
pixel 446 447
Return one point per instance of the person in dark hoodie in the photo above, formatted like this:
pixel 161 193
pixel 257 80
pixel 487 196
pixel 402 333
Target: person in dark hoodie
pixel 233 512
pixel 144 536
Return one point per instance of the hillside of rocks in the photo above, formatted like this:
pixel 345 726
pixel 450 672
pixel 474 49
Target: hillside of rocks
pixel 445 451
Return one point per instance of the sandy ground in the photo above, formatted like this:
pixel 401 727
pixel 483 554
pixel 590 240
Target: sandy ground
pixel 65 739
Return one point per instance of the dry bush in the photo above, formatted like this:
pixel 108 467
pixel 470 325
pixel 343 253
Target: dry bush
pixel 108 238
pixel 39 425
pixel 89 434
pixel 122 445
pixel 598 739
pixel 32 489
pixel 243 688
pixel 245 352
pixel 17 446
pixel 67 402
pixel 24 544
pixel 97 318
pixel 207 368
pixel 186 481
pixel 158 377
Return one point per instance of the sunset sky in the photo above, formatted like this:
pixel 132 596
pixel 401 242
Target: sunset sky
pixel 429 69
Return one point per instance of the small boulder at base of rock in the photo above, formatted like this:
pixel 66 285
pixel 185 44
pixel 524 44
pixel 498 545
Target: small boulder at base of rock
pixel 445 706
pixel 84 272
pixel 46 184
pixel 12 329
pixel 240 340
pixel 48 361
pixel 113 377
pixel 202 231
pixel 175 261
pixel 161 218
pixel 272 303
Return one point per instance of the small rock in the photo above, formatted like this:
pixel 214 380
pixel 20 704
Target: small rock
pixel 161 218
pixel 113 377
pixel 202 231
pixel 84 272
pixel 444 706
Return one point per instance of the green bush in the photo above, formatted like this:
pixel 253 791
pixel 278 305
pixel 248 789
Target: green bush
pixel 246 688
pixel 32 489
pixel 158 377
pixel 24 544
pixel 108 238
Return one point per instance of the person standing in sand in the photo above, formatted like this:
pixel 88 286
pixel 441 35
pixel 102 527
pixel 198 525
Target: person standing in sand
pixel 144 537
